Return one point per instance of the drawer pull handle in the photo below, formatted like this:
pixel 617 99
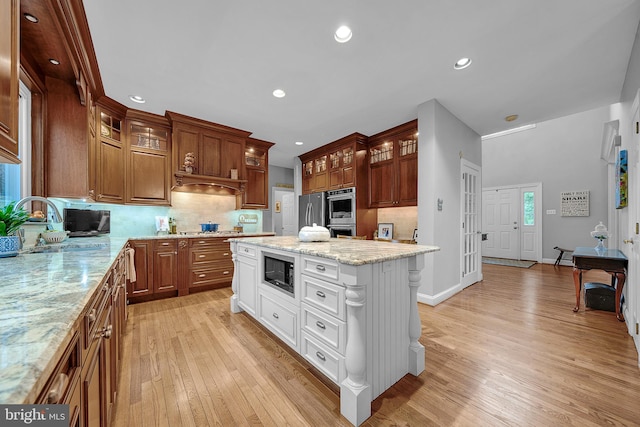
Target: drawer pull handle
pixel 57 390
pixel 320 325
pixel 275 315
pixel 320 294
pixel 202 275
pixel 202 242
pixel 225 272
pixel 246 250
pixel 165 244
pixel 320 268
pixel 225 254
pixel 320 356
pixel 92 315
pixel 201 256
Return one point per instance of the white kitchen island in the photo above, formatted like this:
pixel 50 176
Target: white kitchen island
pixel 352 314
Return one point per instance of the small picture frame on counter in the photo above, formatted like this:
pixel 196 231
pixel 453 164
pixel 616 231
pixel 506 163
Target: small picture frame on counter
pixel 385 230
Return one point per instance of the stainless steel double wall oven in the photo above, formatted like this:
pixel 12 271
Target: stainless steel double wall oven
pixel 341 212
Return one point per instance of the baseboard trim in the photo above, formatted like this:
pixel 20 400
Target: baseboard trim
pixel 434 300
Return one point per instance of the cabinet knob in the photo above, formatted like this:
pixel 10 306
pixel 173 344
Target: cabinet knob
pixel 57 390
pixel 106 332
pixel 92 315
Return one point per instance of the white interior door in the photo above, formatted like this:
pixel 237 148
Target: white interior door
pixel 500 222
pixel 289 218
pixel 470 236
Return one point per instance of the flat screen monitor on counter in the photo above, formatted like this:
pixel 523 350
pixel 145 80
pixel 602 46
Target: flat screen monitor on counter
pixel 86 222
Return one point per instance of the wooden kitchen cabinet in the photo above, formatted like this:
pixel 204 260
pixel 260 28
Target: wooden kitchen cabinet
pixel 144 268
pixel 9 79
pixel 165 265
pixel 210 263
pixel 393 167
pixel 339 164
pixel 256 161
pixel 217 150
pixel 109 156
pixel 148 166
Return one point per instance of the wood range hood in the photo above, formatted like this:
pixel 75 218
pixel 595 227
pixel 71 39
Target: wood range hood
pixel 198 183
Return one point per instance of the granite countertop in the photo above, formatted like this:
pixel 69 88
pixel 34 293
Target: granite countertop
pixel 345 251
pixel 44 291
pixel 43 294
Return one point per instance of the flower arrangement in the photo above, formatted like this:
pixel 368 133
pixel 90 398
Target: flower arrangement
pixel 189 162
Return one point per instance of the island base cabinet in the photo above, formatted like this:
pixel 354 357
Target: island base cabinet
pixel 279 317
pixel 245 279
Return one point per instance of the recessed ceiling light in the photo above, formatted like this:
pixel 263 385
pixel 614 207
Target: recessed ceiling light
pixel 279 93
pixel 511 118
pixel 299 142
pixel 462 63
pixel 138 99
pixel 343 34
pixel 29 17
pixel 54 61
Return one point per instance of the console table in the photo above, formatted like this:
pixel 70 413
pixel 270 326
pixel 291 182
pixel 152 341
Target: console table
pixel 613 261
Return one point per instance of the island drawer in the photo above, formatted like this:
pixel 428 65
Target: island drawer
pixel 279 317
pixel 60 387
pixel 248 251
pixel 322 357
pixel 324 327
pixel 320 267
pixel 323 295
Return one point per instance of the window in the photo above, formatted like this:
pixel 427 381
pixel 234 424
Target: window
pixel 15 180
pixel 529 208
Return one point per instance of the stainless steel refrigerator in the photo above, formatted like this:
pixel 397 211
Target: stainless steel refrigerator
pixel 312 208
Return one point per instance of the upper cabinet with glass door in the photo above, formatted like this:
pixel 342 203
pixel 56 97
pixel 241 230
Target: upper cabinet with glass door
pixel 148 159
pixel 393 167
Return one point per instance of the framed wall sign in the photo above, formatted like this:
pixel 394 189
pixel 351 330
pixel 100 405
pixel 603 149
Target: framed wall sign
pixel 575 203
pixel 621 180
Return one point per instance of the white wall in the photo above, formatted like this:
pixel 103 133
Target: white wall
pixel 563 154
pixel 443 140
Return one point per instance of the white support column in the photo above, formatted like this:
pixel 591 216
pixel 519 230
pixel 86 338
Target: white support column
pixel 355 392
pixel 235 308
pixel 416 350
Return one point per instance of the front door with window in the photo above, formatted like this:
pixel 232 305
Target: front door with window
pixel 511 220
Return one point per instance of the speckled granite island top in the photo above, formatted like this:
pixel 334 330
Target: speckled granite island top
pixel 345 251
pixel 44 291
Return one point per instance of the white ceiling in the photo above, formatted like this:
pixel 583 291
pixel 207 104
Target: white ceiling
pixel 221 60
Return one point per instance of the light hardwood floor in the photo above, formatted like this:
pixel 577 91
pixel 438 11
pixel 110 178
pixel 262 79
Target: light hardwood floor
pixel 508 351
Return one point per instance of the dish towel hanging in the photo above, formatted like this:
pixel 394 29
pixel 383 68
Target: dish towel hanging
pixel 130 265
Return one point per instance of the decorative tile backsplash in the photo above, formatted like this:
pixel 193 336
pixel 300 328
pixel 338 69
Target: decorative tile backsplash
pixel 189 210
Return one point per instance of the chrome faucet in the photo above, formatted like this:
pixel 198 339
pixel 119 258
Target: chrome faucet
pixel 55 214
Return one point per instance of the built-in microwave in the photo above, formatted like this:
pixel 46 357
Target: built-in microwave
pixel 279 272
